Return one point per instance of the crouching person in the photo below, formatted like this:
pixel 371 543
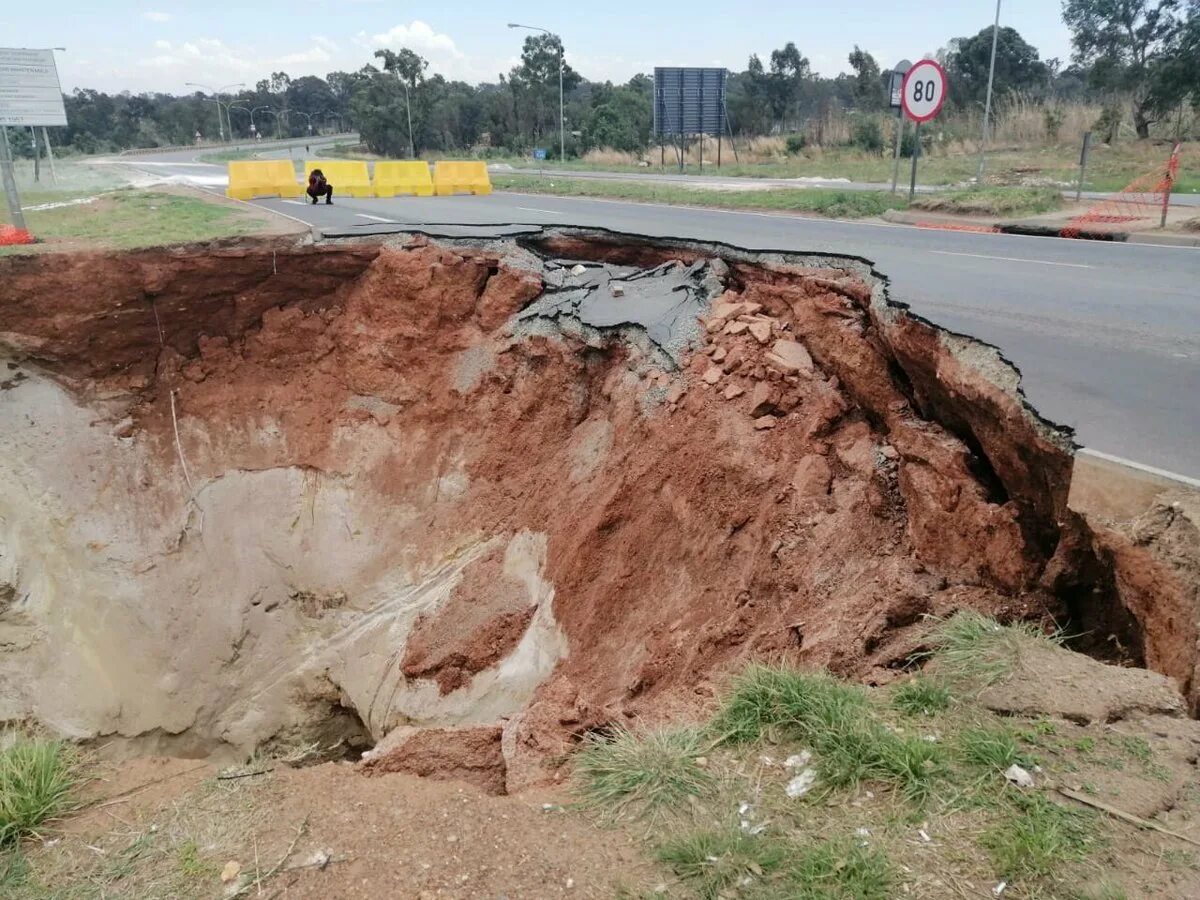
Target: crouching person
pixel 318 187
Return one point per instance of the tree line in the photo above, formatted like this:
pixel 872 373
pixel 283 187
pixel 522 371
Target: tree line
pixel 1140 59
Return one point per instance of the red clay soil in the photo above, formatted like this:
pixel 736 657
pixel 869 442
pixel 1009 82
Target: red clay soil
pixel 769 509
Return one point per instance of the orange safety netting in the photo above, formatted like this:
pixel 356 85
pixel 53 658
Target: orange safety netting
pixel 1142 202
pixel 11 234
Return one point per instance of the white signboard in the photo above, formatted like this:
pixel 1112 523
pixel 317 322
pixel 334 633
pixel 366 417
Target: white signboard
pixel 924 91
pixel 30 93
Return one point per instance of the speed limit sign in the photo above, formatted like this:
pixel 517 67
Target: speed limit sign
pixel 924 91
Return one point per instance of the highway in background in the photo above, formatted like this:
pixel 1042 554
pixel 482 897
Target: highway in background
pixel 1107 336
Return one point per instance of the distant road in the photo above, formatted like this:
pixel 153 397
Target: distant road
pixel 1107 336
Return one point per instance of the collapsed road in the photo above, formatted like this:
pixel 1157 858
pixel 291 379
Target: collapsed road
pixel 462 501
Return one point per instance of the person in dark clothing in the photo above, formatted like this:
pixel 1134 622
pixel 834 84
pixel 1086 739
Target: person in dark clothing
pixel 319 187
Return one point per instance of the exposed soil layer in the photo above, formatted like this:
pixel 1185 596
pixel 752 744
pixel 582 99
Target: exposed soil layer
pixel 469 488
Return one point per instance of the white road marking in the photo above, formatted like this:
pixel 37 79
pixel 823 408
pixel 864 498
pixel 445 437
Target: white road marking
pixel 549 212
pixel 1040 262
pixel 297 202
pixel 1161 473
pixel 377 218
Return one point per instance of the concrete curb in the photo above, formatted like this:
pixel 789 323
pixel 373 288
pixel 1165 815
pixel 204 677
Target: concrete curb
pixel 1034 228
pixel 1119 489
pixel 1166 240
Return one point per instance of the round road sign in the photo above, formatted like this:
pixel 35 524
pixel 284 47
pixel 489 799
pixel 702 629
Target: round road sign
pixel 924 91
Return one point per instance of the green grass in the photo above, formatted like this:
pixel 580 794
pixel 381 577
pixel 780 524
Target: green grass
pixel 127 219
pixel 642 775
pixel 1038 837
pixel 977 651
pixel 836 721
pixel 224 156
pixel 839 869
pixel 989 748
pixel 993 201
pixel 921 696
pixel 817 201
pixel 713 861
pixel 37 781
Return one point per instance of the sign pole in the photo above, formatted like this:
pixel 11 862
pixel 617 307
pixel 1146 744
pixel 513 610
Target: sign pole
pixel 1083 157
pixel 912 188
pixel 49 154
pixel 899 143
pixel 10 181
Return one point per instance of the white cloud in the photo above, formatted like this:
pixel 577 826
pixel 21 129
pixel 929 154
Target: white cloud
pixel 162 45
pixel 153 16
pixel 416 36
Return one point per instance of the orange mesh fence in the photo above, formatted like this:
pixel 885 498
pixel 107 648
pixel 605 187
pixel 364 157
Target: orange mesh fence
pixel 11 235
pixel 1142 203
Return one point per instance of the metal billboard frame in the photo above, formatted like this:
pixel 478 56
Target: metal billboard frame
pixel 688 102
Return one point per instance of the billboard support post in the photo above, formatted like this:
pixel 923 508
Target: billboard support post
pixel 49 154
pixel 10 182
pixel 690 102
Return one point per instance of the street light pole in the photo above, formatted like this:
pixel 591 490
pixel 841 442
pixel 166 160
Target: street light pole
pixel 216 92
pixel 987 106
pixel 254 129
pixel 562 127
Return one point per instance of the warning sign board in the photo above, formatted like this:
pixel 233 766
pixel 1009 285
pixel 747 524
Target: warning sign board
pixel 30 93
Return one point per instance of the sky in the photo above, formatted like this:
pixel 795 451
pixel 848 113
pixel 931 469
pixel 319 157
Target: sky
pixel 159 45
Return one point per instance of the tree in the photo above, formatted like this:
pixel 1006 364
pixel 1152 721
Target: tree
pixel 1127 44
pixel 534 85
pixel 868 90
pixel 785 87
pixel 1018 66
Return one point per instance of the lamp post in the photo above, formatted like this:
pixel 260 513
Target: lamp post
pixel 232 106
pixel 307 119
pixel 987 106
pixel 562 128
pixel 216 92
pixel 256 109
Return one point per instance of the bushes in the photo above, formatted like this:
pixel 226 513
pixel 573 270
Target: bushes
pixel 796 144
pixel 868 136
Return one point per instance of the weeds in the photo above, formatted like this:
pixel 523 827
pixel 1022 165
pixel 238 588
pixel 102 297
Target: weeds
pixel 835 720
pixel 993 201
pixel 37 779
pixel 989 748
pixel 714 861
pixel 977 651
pixel 1038 837
pixel 921 697
pixel 641 775
pixel 833 869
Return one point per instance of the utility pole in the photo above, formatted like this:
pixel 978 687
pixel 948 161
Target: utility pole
pixel 987 106
pixel 49 154
pixel 562 119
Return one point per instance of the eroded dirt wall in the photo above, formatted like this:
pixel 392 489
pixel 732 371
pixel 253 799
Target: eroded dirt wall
pixel 379 489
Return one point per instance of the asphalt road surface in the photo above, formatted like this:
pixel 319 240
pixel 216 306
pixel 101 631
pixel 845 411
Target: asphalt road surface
pixel 1107 336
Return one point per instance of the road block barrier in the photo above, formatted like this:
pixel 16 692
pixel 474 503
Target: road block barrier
pixel 348 176
pixel 403 178
pixel 263 178
pixel 460 177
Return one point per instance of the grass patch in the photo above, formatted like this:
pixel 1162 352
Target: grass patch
pixel 836 721
pixel 37 780
pixel 224 156
pixel 839 204
pixel 714 861
pixel 989 748
pixel 840 869
pixel 1038 837
pixel 993 201
pixel 977 651
pixel 127 219
pixel 641 775
pixel 921 697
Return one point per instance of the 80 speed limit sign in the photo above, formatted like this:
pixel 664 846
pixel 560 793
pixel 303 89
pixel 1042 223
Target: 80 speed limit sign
pixel 924 91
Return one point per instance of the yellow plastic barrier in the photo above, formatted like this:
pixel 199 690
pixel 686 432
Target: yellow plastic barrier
pixel 453 177
pixel 262 178
pixel 348 176
pixel 392 178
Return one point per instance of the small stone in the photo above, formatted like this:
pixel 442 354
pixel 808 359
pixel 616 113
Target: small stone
pixel 763 400
pixel 761 331
pixel 617 290
pixel 791 357
pixel 734 391
pixel 713 375
pixel 736 328
pixel 765 423
pixel 232 869
pixel 887 451
pixel 675 393
pixel 719 354
pixel 578 269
